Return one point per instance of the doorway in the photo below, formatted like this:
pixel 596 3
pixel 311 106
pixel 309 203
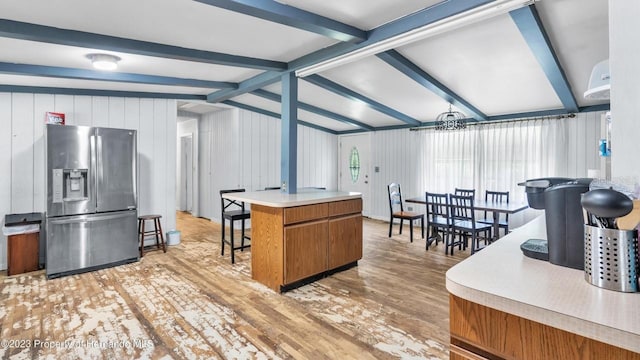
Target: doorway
pixel 354 167
pixel 186 173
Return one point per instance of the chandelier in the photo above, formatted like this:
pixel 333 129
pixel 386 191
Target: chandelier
pixel 450 120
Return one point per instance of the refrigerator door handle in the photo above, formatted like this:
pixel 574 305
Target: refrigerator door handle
pixel 99 173
pixel 92 172
pixel 88 218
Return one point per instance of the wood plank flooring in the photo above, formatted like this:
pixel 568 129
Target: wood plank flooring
pixel 191 303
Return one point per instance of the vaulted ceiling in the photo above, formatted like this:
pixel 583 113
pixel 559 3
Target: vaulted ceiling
pixel 510 59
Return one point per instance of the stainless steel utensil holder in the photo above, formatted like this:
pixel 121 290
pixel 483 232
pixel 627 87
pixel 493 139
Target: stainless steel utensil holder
pixel 611 258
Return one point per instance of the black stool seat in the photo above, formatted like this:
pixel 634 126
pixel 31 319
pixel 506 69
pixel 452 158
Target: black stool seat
pixel 157 231
pixel 233 215
pixel 237 215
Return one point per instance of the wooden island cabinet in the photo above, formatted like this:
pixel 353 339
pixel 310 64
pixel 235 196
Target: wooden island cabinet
pixel 301 237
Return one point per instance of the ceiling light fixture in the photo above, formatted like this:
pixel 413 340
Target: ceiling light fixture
pixel 451 120
pixel 104 61
pixel 479 13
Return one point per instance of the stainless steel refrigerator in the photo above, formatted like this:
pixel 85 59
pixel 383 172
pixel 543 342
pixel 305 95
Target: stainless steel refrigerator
pixel 91 219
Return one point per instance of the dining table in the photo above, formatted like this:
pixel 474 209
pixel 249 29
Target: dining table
pixel 495 207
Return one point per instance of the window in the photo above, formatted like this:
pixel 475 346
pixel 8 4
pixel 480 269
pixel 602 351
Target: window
pixel 354 164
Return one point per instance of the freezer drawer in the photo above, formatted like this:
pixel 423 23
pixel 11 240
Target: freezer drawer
pixel 88 242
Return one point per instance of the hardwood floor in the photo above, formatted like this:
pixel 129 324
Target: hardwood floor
pixel 192 303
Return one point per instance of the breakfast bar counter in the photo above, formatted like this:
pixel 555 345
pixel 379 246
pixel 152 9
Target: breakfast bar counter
pixel 297 238
pixel 505 304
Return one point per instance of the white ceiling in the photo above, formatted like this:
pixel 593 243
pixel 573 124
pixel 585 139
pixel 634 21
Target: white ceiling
pixel 508 80
pixel 489 64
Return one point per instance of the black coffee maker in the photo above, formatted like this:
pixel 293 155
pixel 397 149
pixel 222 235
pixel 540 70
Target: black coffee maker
pixel 560 198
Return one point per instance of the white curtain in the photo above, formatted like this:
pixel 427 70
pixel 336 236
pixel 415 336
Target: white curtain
pixel 498 156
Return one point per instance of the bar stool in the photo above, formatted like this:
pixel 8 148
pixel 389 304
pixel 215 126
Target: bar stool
pixel 233 215
pixel 157 231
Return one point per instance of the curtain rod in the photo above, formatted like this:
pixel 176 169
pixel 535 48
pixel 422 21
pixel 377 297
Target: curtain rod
pixel 546 117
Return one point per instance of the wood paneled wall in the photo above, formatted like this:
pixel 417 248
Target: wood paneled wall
pixel 22 184
pixel 241 149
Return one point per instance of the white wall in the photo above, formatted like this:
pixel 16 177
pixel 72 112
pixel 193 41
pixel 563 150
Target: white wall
pixel 624 63
pixel 22 184
pixel 185 128
pixel 241 149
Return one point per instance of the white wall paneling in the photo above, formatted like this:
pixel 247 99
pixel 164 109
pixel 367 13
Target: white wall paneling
pixel 206 197
pixel 22 188
pixel 100 111
pixel 218 159
pixel 5 166
pixel 22 152
pixel 82 107
pixel 241 149
pixel 116 113
pixel 66 104
pixel 168 110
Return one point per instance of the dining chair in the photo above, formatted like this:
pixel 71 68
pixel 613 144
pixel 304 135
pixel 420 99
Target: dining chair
pixel 438 218
pixel 396 211
pixel 501 197
pixel 464 222
pixel 233 211
pixel 465 192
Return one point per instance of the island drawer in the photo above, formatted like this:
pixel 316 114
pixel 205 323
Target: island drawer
pixel 298 214
pixel 345 207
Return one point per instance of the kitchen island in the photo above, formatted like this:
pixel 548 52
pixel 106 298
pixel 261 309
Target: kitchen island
pixel 506 305
pixel 298 238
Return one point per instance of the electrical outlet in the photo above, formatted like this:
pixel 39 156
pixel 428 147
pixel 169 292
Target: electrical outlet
pixel 410 208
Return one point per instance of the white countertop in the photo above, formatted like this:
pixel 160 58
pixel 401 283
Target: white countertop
pixel 501 277
pixel 276 198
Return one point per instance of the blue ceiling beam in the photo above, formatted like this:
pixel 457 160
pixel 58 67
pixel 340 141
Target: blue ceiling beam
pixel 92 92
pixel 528 22
pixel 402 64
pixel 314 109
pixel 410 22
pixel 391 29
pixel 81 74
pixel 32 32
pixel 601 107
pixel 352 95
pixel 249 85
pixel 291 16
pixel 275 115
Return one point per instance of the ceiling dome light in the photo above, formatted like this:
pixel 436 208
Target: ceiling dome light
pixel 104 61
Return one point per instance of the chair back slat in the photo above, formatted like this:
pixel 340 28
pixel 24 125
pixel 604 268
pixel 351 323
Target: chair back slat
pixel 395 197
pixel 465 192
pixel 497 196
pixel 437 206
pixel 225 204
pixel 462 208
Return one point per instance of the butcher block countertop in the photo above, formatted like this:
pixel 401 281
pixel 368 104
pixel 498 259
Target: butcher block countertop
pixel 502 278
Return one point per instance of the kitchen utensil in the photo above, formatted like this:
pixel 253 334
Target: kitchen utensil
pixel 632 219
pixel 606 205
pixel 610 258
